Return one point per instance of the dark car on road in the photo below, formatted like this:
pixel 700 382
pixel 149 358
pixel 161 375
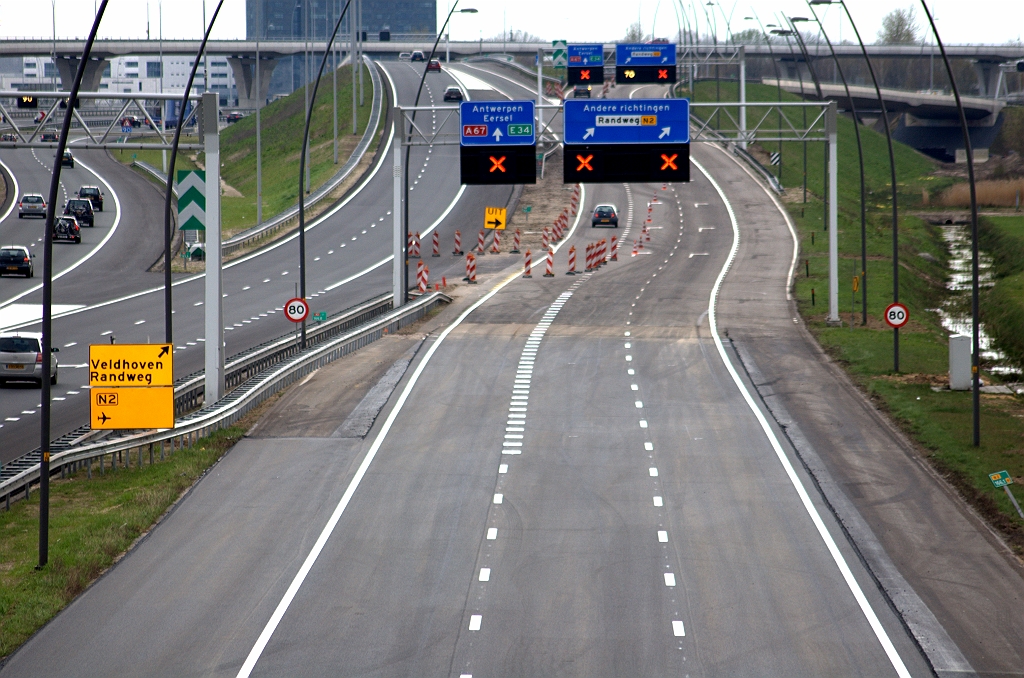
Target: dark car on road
pixel 66 228
pixel 581 92
pixel 67 160
pixel 48 136
pixel 16 260
pixel 605 215
pixel 9 137
pixel 94 194
pixel 434 65
pixel 81 210
pixel 234 116
pixel 416 56
pixel 453 93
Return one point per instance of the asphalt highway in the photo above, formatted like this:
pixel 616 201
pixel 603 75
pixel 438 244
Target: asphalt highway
pixel 569 481
pixel 348 252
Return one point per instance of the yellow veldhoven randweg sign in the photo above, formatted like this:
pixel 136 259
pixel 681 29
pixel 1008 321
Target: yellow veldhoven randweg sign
pixel 133 407
pixel 494 217
pixel 132 386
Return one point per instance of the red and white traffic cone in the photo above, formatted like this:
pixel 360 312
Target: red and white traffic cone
pixel 480 241
pixel 496 243
pixel 635 249
pixel 437 244
pixel 641 239
pixel 572 261
pixel 664 187
pixel 527 265
pixel 416 245
pixel 549 264
pixel 470 269
pixel 515 242
pixel 615 248
pixel 458 244
pixel 647 234
pixel 421 280
pixel 444 281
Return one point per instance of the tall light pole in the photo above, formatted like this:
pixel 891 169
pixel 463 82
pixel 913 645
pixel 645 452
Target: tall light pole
pixel 778 80
pixel 785 32
pixel 860 158
pixel 892 172
pixel 975 319
pixel 259 127
pixel 447 35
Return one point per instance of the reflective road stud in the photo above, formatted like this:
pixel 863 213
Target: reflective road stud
pixel 527 265
pixel 458 243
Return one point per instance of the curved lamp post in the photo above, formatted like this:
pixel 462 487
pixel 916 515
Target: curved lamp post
pixel 860 158
pixel 168 326
pixel 975 324
pixel 47 347
pixel 303 168
pixel 786 33
pixel 892 171
pixel 778 79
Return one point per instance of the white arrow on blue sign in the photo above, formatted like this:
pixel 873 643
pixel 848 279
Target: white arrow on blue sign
pixel 497 123
pixel 645 55
pixel 627 121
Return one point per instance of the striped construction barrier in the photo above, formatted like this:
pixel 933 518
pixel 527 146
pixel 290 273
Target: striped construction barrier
pixel 615 248
pixel 480 241
pixel 437 245
pixel 515 242
pixel 590 258
pixel 572 261
pixel 544 239
pixel 458 243
pixel 415 252
pixel 496 243
pixel 470 269
pixel 422 276
pixel 635 249
pixel 527 265
pixel 549 264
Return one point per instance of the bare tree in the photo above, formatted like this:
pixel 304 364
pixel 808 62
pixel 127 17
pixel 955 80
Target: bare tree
pixel 635 33
pixel 515 36
pixel 899 27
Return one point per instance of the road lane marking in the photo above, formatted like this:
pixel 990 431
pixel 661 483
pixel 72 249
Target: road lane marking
pixel 643 423
pixel 649 447
pixel 670 579
pixel 658 501
pixel 653 471
pixel 502 468
pixel 498 497
pixel 662 536
pixel 677 629
pixel 639 404
pixel 492 533
pixel 485 574
pixel 812 512
pixel 474 622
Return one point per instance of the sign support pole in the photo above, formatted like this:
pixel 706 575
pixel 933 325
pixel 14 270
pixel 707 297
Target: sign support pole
pixel 831 129
pixel 398 245
pixel 743 97
pixel 214 345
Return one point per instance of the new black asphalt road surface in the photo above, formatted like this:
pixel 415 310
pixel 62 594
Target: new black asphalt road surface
pixel 573 480
pixel 348 261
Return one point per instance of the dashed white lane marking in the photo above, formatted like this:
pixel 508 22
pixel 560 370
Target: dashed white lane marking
pixel 663 536
pixel 658 501
pixel 639 404
pixel 653 471
pixel 498 497
pixel 492 532
pixel 677 629
pixel 485 574
pixel 643 423
pixel 670 579
pixel 474 622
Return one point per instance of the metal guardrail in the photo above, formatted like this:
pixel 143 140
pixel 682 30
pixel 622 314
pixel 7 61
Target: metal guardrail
pixel 229 409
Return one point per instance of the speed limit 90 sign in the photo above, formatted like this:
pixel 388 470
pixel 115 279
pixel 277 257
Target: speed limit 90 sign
pixel 896 315
pixel 296 310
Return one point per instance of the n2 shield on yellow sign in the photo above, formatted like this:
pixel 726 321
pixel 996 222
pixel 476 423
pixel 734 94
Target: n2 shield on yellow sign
pixel 494 217
pixel 121 408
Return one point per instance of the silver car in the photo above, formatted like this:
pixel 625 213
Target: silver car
pixel 32 204
pixel 21 358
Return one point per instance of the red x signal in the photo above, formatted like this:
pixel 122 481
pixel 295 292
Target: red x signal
pixel 585 74
pixel 496 163
pixel 584 163
pixel 662 74
pixel 670 162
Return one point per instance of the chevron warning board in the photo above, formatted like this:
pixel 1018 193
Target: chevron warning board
pixel 191 200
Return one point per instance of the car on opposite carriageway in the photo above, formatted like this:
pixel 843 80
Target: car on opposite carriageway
pixel 605 215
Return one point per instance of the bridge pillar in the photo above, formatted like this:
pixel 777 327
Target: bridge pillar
pixel 988 77
pixel 67 66
pixel 251 93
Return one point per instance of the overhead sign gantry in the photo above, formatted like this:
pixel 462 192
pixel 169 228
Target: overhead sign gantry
pixel 586 64
pixel 619 140
pixel 643 63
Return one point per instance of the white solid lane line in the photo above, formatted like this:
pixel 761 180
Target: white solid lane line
pixel 812 512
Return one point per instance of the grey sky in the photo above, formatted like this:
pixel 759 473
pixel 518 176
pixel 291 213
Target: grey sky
pixel 982 21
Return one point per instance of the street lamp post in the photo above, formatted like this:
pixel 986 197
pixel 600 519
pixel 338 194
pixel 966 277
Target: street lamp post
pixel 778 81
pixel 975 320
pixel 785 32
pixel 892 171
pixel 448 35
pixel 863 193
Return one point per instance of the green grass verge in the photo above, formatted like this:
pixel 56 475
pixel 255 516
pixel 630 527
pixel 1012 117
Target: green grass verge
pixel 939 421
pixel 1002 305
pixel 92 522
pixel 282 122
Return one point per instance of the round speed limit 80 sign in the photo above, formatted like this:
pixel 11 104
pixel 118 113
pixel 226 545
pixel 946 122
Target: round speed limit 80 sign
pixel 896 315
pixel 296 310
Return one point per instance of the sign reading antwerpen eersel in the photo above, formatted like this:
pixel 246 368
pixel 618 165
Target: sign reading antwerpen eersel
pixel 497 123
pixel 627 121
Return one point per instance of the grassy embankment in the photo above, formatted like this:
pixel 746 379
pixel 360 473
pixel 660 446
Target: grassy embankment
pixel 939 421
pixel 282 122
pixel 92 523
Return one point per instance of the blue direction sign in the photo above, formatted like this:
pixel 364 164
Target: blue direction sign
pixel 497 123
pixel 627 121
pixel 586 55
pixel 645 55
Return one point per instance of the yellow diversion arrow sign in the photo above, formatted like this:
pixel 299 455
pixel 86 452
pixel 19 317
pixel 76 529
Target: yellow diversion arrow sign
pixel 132 386
pixel 494 217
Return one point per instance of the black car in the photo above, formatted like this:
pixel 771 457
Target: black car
pixel 234 116
pixel 17 260
pixel 9 137
pixel 453 93
pixel 81 210
pixel 66 228
pixel 581 92
pixel 417 56
pixel 94 194
pixel 67 160
pixel 605 215
pixel 48 136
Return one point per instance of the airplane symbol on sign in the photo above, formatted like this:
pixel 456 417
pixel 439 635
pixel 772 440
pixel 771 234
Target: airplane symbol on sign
pixel 670 162
pixel 662 74
pixel 103 418
pixel 584 162
pixel 496 163
pixel 585 74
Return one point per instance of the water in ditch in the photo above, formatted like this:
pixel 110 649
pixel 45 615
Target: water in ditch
pixel 956 309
